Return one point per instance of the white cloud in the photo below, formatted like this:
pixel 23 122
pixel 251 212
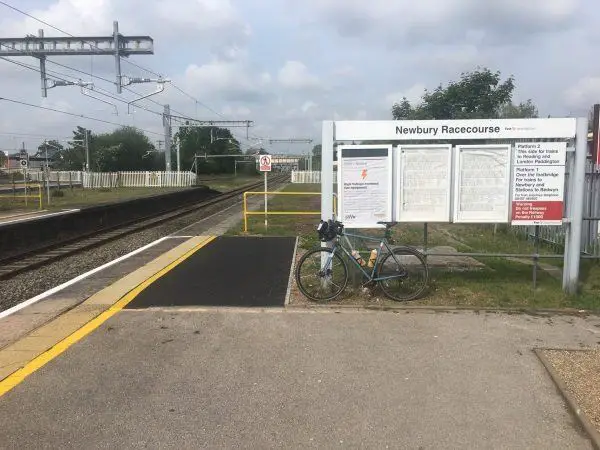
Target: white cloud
pixel 583 94
pixel 442 21
pixel 295 75
pixel 238 111
pixel 413 94
pixel 308 105
pixel 229 80
pixel 235 56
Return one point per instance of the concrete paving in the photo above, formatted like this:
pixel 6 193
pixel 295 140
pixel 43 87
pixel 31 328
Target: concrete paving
pixel 202 378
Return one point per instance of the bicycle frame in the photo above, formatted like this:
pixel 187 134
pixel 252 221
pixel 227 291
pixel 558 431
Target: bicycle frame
pixel 382 243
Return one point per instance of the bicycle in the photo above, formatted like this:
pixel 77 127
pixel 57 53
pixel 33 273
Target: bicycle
pixel 392 267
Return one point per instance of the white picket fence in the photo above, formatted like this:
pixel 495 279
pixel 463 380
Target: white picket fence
pixel 306 177
pixel 99 180
pixel 65 177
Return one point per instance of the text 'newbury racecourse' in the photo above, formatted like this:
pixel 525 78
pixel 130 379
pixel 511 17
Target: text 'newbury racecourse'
pixel 445 129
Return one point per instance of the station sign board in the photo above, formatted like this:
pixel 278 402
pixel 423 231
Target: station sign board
pixel 538 183
pixel 407 130
pixel 423 183
pixel 365 185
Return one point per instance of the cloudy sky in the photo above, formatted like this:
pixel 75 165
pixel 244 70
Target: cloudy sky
pixel 289 64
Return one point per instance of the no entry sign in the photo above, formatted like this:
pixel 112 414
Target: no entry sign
pixel 538 183
pixel 265 163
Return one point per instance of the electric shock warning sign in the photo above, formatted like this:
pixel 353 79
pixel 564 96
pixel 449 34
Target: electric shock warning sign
pixel 538 183
pixel 365 186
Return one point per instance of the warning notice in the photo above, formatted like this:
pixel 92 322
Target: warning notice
pixel 538 183
pixel 365 183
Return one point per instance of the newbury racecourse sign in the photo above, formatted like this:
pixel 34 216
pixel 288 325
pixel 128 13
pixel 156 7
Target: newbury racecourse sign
pixel 455 129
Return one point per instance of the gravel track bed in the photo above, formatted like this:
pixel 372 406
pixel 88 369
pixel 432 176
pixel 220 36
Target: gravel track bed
pixel 31 283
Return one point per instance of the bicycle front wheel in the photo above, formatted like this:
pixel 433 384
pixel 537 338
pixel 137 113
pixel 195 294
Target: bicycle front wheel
pixel 321 275
pixel 403 274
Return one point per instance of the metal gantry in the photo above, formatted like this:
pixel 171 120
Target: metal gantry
pixel 189 122
pixel 41 47
pixel 296 141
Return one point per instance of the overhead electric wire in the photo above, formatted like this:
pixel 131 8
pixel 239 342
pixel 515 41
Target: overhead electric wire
pixel 100 91
pixel 123 59
pixel 83 116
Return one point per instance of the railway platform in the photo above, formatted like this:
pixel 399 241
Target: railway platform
pixel 7 218
pixel 189 343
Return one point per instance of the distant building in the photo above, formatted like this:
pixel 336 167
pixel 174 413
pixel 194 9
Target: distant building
pixel 12 162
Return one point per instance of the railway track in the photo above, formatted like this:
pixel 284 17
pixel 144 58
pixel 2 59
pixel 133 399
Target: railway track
pixel 56 250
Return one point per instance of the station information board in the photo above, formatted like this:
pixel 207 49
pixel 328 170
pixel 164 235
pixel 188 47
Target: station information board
pixel 482 184
pixel 538 183
pixel 424 174
pixel 365 185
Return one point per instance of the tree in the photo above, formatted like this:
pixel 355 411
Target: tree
pixel 51 148
pixel 480 94
pixel 126 148
pixel 524 110
pixel 73 157
pixel 209 141
pixel 2 158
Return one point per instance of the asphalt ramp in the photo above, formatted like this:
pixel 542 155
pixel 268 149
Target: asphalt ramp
pixel 229 271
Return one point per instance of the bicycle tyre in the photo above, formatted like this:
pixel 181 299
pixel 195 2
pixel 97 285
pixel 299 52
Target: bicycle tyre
pixel 305 286
pixel 420 262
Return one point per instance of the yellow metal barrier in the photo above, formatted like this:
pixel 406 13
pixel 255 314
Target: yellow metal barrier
pixel 26 196
pixel 280 213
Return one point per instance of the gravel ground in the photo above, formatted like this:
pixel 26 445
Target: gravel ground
pixel 31 283
pixel 580 372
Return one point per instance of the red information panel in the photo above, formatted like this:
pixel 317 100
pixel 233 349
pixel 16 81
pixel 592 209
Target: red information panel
pixel 538 213
pixel 538 183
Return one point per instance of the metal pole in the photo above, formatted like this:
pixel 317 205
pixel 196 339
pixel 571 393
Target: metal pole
pixel 117 55
pixel 87 152
pixel 327 171
pixel 266 222
pixel 47 172
pixel 536 257
pixel 425 239
pixel 245 212
pixel 327 141
pixel 43 66
pixel 167 131
pixel 573 236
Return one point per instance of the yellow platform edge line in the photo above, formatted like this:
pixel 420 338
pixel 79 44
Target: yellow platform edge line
pixel 41 360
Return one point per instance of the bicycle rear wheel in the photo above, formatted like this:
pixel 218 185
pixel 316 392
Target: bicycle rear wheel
pixel 408 274
pixel 321 283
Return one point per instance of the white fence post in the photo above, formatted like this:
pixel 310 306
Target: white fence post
pixel 306 177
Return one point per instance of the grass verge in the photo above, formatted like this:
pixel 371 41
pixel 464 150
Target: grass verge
pixel 78 197
pixel 499 282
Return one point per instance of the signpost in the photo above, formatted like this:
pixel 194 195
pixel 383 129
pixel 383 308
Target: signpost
pixel 264 163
